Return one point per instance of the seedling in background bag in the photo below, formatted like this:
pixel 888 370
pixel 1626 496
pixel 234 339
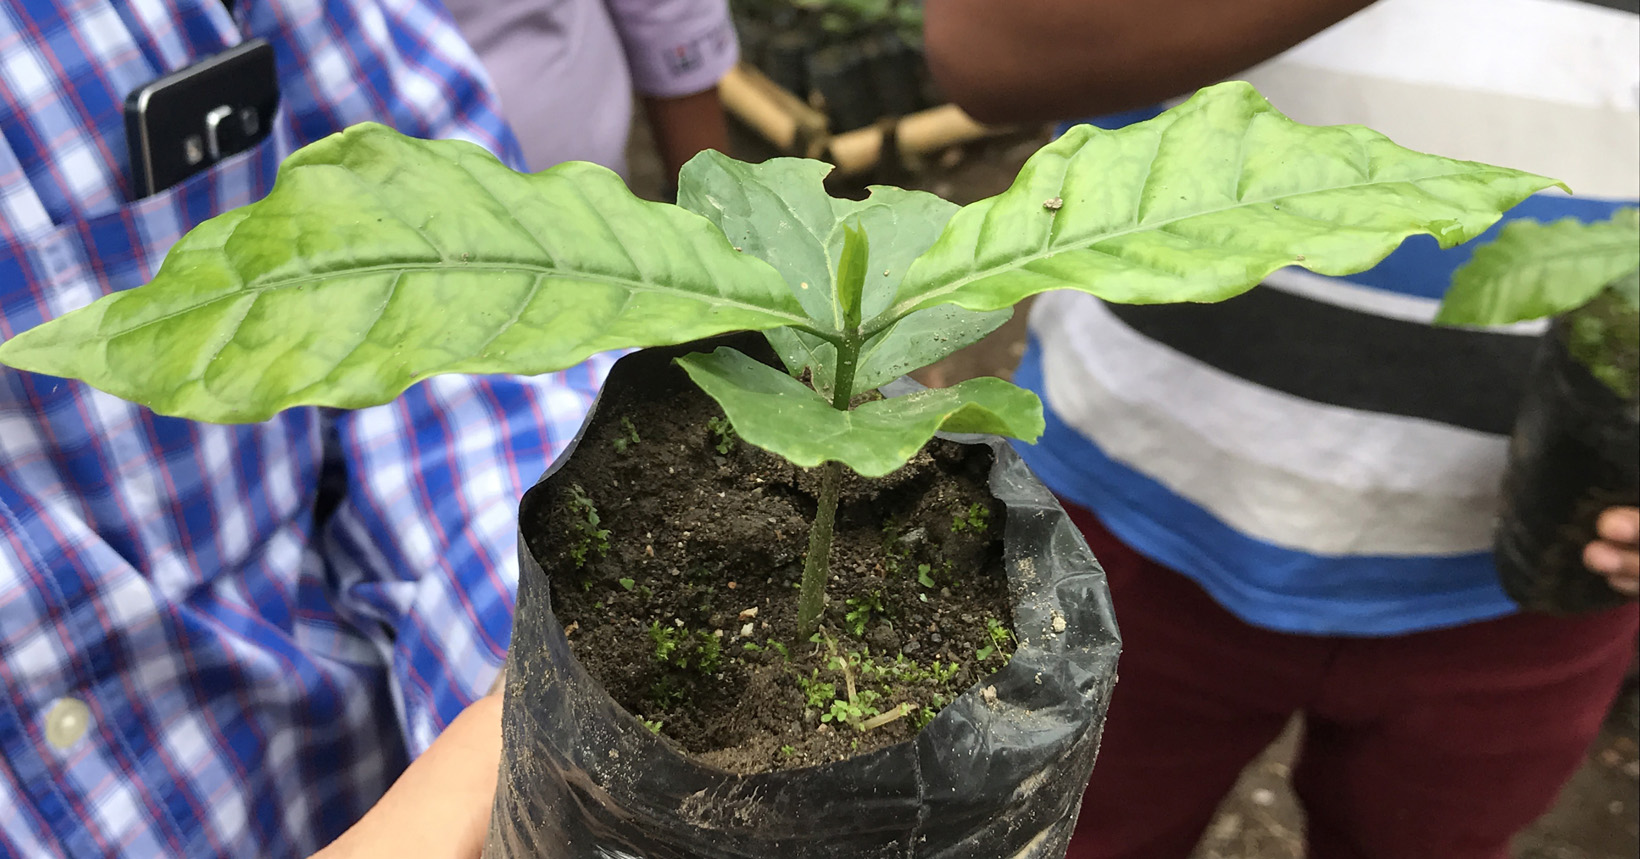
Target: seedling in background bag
pixel 1534 270
pixel 378 260
pixel 1571 450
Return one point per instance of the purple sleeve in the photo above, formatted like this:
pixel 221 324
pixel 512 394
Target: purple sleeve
pixel 675 47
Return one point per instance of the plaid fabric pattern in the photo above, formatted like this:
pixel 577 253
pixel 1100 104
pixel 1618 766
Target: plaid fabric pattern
pixel 254 679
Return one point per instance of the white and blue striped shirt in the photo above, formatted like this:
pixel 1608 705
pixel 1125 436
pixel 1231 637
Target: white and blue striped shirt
pixel 1314 453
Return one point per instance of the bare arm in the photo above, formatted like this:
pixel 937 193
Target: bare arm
pixel 1033 60
pixel 685 126
pixel 440 806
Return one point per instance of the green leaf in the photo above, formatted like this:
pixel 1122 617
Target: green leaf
pixel 851 275
pixel 1532 269
pixel 379 260
pixel 921 339
pixel 772 410
pixel 779 212
pixel 1199 204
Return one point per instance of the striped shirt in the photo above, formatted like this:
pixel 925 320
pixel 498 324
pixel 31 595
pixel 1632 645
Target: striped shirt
pixel 190 663
pixel 1316 454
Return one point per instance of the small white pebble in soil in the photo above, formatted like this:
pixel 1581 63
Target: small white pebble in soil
pixel 1058 622
pixel 990 694
pixel 1263 797
pixel 731 586
pixel 1039 678
pixel 748 614
pixel 614 755
pixel 678 622
pixel 572 628
pixel 649 550
pixel 717 633
pixel 746 631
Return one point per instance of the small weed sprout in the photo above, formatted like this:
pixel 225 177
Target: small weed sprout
pixel 627 584
pixel 725 433
pixel 788 751
pixel 590 539
pixel 920 718
pixel 925 576
pixel 1000 638
pixel 666 641
pixel 678 647
pixel 852 712
pixel 654 725
pixel 861 610
pixel 628 436
pixel 817 694
pixel 974 520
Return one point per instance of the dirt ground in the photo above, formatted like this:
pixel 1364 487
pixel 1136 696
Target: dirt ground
pixel 1598 814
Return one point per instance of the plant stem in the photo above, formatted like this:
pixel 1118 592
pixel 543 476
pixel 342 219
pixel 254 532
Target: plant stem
pixel 811 600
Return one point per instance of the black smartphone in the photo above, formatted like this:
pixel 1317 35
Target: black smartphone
pixel 192 118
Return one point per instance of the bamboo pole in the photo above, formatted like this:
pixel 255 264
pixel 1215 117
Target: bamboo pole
pixel 775 114
pixel 796 128
pixel 916 136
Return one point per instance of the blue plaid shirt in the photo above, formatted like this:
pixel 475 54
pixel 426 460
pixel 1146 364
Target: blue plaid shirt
pixel 189 664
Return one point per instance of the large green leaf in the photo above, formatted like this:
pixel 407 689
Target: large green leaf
pixel 1200 204
pixel 772 410
pixel 1533 270
pixel 378 260
pixel 779 212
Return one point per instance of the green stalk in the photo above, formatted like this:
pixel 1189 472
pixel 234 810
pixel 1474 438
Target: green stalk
pixel 817 564
pixel 851 276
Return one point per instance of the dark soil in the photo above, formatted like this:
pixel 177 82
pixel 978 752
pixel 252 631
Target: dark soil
pixel 688 616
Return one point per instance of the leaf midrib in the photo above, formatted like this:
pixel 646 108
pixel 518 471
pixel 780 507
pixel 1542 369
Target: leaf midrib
pixel 900 309
pixel 538 272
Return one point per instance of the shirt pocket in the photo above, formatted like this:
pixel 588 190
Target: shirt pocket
pixel 84 259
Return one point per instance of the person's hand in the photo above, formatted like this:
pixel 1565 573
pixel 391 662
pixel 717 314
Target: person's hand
pixel 440 807
pixel 1616 555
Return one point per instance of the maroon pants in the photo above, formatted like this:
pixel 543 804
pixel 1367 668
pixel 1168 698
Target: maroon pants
pixel 1433 745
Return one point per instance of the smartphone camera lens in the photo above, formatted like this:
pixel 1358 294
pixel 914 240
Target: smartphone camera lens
pixel 229 130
